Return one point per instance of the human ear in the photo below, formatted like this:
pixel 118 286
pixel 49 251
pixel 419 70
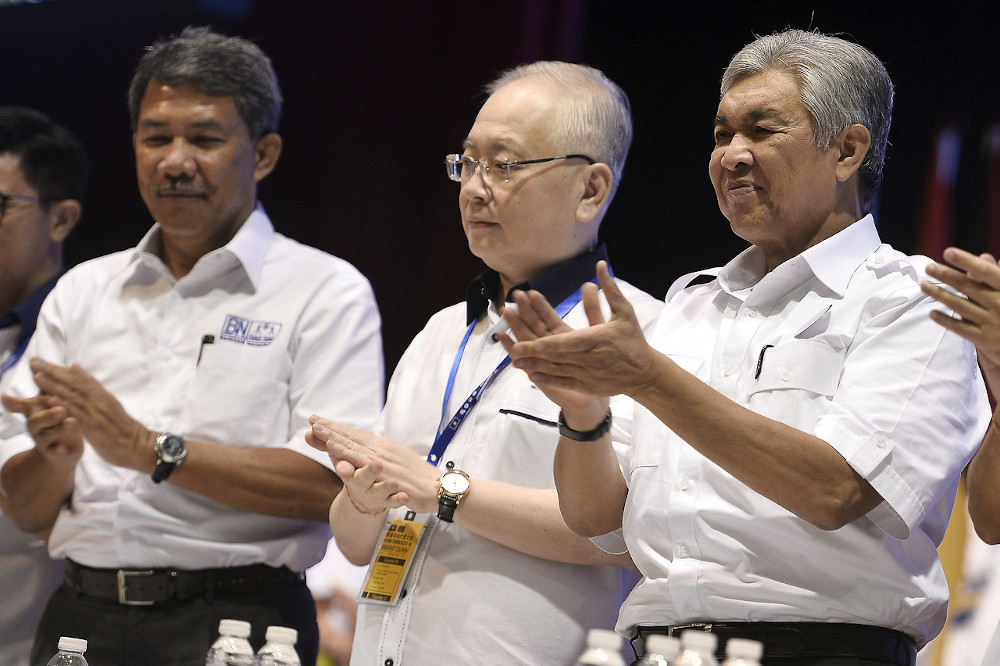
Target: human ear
pixel 596 192
pixel 853 144
pixel 62 217
pixel 266 155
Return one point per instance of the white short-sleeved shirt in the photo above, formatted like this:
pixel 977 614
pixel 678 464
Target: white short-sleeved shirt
pixel 292 331
pixel 470 600
pixel 851 356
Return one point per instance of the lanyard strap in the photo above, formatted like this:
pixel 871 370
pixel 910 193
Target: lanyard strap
pixel 13 358
pixel 447 433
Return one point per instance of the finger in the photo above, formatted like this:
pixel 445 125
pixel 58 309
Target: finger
pixel 527 321
pixel 22 405
pixel 592 304
pixel 616 299
pixel 982 268
pixel 960 305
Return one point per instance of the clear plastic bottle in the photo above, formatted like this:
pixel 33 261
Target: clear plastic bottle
pixel 743 652
pixel 697 649
pixel 604 648
pixel 70 652
pixel 232 647
pixel 279 649
pixel 660 650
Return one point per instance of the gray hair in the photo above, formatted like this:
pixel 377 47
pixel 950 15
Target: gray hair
pixel 842 84
pixel 597 117
pixel 217 65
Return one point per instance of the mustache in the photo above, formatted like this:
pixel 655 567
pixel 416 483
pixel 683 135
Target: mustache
pixel 183 188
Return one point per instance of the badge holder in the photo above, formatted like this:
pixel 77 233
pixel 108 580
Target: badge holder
pixel 390 566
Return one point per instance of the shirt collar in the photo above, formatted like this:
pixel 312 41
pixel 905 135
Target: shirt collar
pixel 832 261
pixel 555 284
pixel 248 248
pixel 26 312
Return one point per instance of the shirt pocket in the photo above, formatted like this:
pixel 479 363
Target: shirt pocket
pixel 651 439
pixel 797 381
pixel 239 395
pixel 522 442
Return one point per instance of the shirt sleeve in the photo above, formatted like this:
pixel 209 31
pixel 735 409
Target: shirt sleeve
pixel 910 409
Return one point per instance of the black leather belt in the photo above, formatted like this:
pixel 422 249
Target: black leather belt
pixel 148 587
pixel 803 640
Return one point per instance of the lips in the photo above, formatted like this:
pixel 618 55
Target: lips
pixel 741 188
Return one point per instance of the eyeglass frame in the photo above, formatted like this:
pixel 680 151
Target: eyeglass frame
pixel 484 168
pixel 5 200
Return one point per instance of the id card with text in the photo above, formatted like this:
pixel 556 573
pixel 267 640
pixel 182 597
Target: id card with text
pixel 391 564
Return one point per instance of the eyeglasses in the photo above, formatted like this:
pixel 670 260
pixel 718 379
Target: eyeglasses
pixel 460 168
pixel 5 200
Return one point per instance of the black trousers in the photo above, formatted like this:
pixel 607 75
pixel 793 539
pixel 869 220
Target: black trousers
pixel 173 633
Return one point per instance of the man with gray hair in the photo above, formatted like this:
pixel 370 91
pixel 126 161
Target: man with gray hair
pixel 465 443
pixel 155 421
pixel 801 423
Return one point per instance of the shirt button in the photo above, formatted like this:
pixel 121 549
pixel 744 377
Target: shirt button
pixel 389 662
pixel 728 370
pixel 685 485
pixel 786 376
pixel 683 551
pixel 880 442
pixel 879 259
pixel 753 312
pixel 688 608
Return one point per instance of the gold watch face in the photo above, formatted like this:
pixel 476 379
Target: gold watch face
pixel 454 483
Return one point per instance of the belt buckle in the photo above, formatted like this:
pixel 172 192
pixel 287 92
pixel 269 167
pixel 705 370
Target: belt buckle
pixel 123 578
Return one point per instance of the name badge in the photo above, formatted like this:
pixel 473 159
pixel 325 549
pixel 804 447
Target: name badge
pixel 391 564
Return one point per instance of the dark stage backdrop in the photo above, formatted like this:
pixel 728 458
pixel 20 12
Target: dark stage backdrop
pixel 377 92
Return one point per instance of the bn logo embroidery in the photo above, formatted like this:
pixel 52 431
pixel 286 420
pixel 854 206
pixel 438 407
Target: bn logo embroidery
pixel 249 332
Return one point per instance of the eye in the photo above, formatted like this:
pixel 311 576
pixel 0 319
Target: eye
pixel 206 141
pixel 155 140
pixel 722 137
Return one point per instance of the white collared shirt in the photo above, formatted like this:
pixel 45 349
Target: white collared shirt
pixel 851 356
pixel 471 600
pixel 296 332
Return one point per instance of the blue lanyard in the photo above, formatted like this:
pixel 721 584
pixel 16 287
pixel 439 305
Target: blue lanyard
pixel 13 358
pixel 447 433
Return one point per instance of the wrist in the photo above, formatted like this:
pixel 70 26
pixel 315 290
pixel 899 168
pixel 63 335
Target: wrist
pixel 362 511
pixel 591 434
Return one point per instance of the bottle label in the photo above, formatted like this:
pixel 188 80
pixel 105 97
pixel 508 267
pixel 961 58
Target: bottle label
pixel 391 564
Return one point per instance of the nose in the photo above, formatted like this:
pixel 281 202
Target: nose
pixel 736 153
pixel 475 188
pixel 178 159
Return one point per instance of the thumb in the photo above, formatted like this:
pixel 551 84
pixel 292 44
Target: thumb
pixel 620 307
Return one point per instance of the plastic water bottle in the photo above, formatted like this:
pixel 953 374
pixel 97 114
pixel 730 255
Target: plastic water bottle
pixel 70 652
pixel 697 649
pixel 604 648
pixel 232 647
pixel 743 652
pixel 279 649
pixel 660 650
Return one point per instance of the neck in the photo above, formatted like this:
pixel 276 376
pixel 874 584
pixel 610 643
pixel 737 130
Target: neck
pixel 10 297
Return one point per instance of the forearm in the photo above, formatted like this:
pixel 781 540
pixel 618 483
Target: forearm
pixel 271 481
pixel 793 468
pixel 356 531
pixel 527 520
pixel 36 489
pixel 591 488
pixel 984 491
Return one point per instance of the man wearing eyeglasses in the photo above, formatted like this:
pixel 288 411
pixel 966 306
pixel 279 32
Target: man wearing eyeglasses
pixel 167 388
pixel 43 175
pixel 465 443
pixel 802 424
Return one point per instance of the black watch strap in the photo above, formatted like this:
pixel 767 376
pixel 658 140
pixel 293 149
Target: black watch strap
pixel 163 470
pixel 585 435
pixel 446 508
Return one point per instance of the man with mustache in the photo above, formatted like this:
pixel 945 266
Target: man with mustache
pixel 167 388
pixel 802 423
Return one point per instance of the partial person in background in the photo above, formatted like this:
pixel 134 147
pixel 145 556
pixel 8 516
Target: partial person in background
pixel 466 442
pixel 167 388
pixel 43 176
pixel 335 583
pixel 975 315
pixel 802 424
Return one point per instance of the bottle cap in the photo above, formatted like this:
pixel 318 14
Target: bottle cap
pixel 665 646
pixel 237 628
pixel 67 644
pixel 285 635
pixel 699 640
pixel 744 648
pixel 603 638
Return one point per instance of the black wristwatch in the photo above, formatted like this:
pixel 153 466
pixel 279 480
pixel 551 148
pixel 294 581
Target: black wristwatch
pixel 584 435
pixel 170 451
pixel 453 485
